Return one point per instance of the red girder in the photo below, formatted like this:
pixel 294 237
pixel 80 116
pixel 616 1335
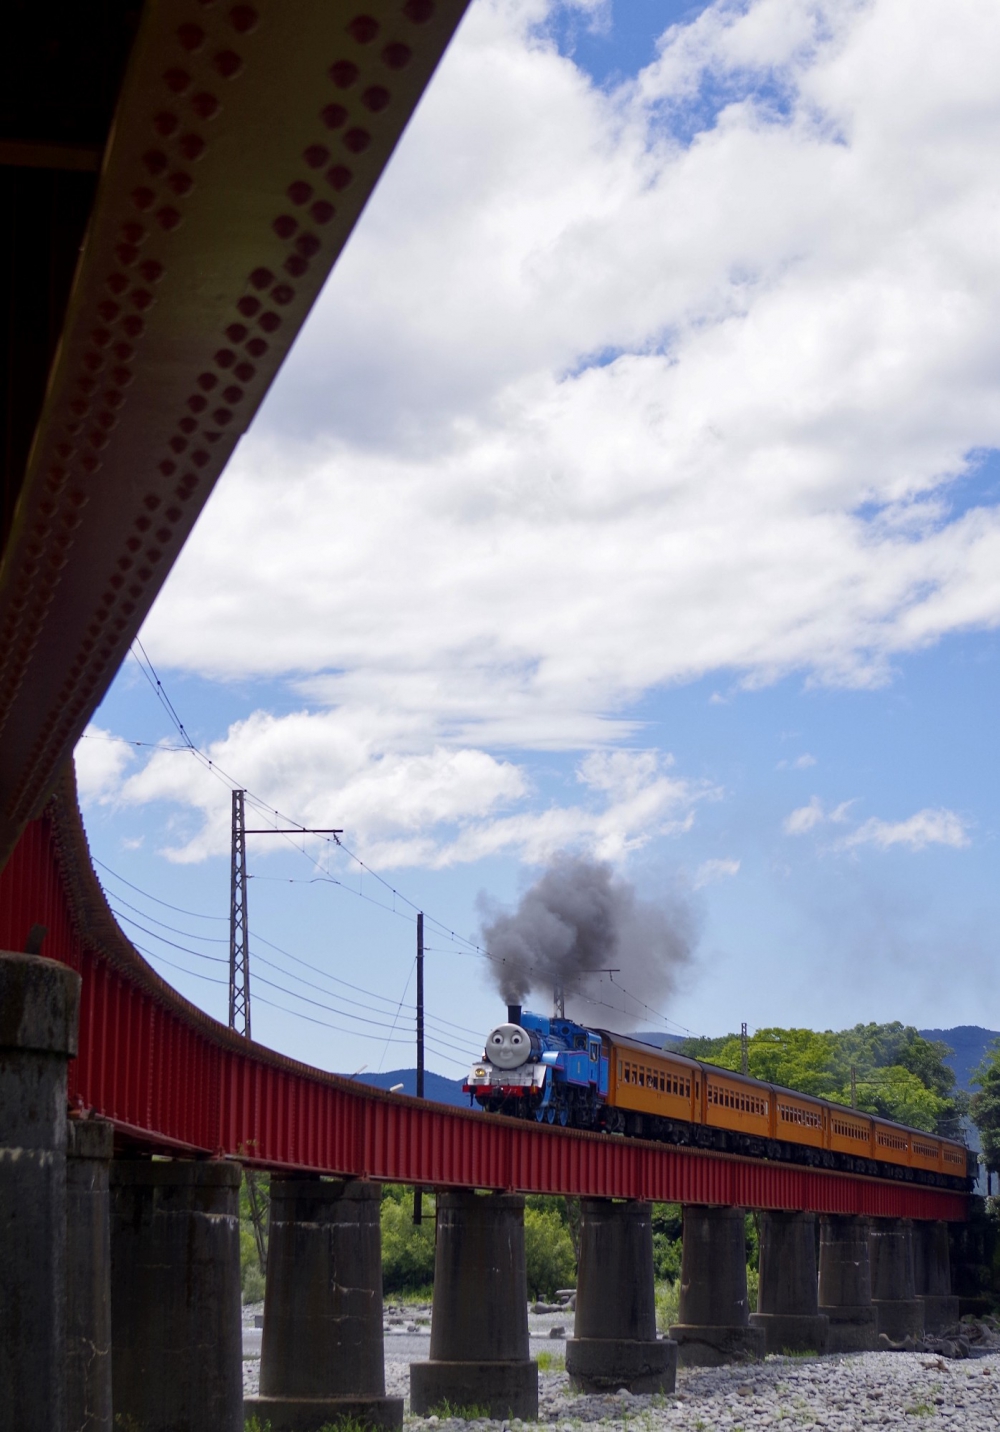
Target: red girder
pixel 173 1079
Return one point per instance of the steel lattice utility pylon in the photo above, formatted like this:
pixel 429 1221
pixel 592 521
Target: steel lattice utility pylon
pixel 239 950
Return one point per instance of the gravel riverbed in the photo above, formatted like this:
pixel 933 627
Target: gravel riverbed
pixel 879 1390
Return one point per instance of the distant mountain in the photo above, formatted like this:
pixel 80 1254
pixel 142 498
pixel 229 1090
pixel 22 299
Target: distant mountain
pixel 436 1087
pixel 970 1042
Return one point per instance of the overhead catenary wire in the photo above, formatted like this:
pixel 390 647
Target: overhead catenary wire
pixel 260 939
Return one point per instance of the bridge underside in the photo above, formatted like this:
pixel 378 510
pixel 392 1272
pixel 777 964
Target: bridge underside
pixel 172 1079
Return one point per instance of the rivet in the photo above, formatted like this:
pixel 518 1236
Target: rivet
pixel 397 55
pixel 191 37
pixel 344 73
pixel 376 98
pixel 227 63
pixel 334 116
pixel 338 177
pixel 177 80
pixel 363 28
pixel 300 192
pixel 205 105
pixel 243 18
pixel 357 140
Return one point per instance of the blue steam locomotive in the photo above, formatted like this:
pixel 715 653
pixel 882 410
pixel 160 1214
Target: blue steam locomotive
pixel 550 1069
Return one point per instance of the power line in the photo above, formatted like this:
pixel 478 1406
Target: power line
pixel 195 914
pixel 260 939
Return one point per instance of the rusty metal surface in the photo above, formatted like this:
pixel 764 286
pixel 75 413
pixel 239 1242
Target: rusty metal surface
pixel 173 1079
pixel 247 140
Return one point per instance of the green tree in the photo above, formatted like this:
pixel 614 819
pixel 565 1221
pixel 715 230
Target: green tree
pixel 548 1249
pixel 986 1106
pixel 407 1247
pixel 668 1225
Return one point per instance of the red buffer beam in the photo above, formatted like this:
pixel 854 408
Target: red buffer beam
pixel 173 1079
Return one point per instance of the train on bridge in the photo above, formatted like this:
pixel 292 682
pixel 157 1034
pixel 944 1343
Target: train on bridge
pixel 556 1071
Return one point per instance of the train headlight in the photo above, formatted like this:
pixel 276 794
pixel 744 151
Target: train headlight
pixel 480 1073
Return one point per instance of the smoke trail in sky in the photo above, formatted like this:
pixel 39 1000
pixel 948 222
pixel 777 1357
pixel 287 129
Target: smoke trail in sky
pixel 576 923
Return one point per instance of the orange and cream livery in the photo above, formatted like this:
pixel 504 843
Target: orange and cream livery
pixel 557 1071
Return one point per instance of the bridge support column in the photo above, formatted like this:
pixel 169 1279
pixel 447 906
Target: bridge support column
pixel 88 1276
pixel 39 1000
pixel 322 1355
pixel 900 1313
pixel 845 1284
pixel 479 1325
pixel 177 1351
pixel 714 1325
pixel 788 1309
pixel 932 1275
pixel 614 1343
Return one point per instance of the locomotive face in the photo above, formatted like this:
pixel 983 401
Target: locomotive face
pixel 508 1046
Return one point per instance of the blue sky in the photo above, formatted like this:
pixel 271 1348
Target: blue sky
pixel 718 604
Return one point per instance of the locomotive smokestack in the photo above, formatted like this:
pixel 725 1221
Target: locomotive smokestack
pixel 513 1014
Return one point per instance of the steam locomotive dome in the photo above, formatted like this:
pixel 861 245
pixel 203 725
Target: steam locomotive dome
pixel 508 1046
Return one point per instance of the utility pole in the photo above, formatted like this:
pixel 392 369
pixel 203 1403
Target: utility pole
pixel 854 1087
pixel 744 1049
pixel 239 980
pixel 559 1002
pixel 418 1193
pixel 420 1004
pixel 239 953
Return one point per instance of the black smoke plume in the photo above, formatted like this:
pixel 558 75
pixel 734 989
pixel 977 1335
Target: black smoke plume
pixel 576 923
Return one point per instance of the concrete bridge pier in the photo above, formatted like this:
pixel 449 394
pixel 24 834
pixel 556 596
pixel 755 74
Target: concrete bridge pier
pixel 614 1342
pixel 788 1309
pixel 845 1284
pixel 39 1002
pixel 89 1149
pixel 177 1350
pixel 322 1357
pixel 714 1325
pixel 900 1312
pixel 932 1275
pixel 479 1323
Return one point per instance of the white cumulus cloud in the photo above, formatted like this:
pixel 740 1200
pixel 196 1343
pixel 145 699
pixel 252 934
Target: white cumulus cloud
pixel 927 827
pixel 711 870
pixel 607 392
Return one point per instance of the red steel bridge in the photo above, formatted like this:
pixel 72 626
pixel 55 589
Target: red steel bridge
pixel 177 180
pixel 172 1079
